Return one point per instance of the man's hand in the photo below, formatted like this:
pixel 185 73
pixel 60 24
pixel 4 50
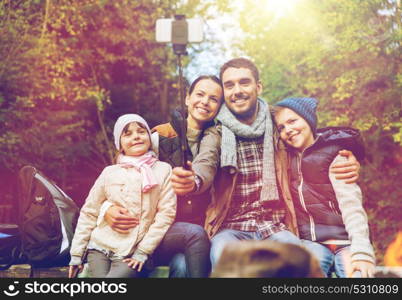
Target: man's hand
pixel 120 219
pixel 348 170
pixel 183 181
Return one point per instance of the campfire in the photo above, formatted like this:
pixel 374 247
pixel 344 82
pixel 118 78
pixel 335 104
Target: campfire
pixel 393 255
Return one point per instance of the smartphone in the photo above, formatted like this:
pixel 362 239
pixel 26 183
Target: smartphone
pixel 194 29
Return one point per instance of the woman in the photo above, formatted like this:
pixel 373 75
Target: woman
pixel 203 102
pixel 185 246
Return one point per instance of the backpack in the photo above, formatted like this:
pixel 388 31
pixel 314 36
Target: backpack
pixel 46 222
pixel 10 245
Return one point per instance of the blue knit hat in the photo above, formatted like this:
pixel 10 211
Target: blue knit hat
pixel 305 107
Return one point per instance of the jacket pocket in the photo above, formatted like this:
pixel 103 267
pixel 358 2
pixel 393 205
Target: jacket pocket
pixel 115 190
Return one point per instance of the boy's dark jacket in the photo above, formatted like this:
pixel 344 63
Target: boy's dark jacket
pixel 323 221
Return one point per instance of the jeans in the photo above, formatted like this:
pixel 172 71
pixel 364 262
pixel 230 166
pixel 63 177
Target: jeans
pixel 185 248
pixel 102 266
pixel 178 267
pixel 225 236
pixel 339 259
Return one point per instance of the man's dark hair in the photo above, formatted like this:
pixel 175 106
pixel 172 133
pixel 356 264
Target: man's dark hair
pixel 240 63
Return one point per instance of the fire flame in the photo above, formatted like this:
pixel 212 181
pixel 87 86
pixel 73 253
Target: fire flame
pixel 393 255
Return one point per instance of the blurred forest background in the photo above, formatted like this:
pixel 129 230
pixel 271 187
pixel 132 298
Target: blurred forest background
pixel 69 68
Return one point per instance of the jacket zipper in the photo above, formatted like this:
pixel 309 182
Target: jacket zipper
pixel 301 197
pixel 334 210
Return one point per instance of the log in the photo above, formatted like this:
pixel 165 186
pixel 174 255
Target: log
pixel 23 271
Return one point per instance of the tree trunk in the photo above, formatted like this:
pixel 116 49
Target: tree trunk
pixel 44 24
pixel 163 98
pixel 105 137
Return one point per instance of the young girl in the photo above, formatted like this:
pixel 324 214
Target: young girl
pixel 141 184
pixel 331 219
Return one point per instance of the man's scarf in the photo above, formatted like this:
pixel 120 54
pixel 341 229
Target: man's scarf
pixel 232 128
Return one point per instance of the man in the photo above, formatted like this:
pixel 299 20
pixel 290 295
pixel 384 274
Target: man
pixel 251 198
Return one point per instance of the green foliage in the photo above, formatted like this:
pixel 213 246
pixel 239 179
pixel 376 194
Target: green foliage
pixel 68 69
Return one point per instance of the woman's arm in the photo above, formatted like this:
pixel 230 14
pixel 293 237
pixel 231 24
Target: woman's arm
pixel 206 163
pixel 200 175
pixel 117 217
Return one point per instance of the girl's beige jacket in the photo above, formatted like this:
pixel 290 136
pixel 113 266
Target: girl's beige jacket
pixel 155 211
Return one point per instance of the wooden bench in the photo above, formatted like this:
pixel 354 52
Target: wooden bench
pixel 23 271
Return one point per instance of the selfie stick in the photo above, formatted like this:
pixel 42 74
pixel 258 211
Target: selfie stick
pixel 179 41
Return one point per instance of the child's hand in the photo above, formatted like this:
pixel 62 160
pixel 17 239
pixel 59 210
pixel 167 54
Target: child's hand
pixel 365 268
pixel 73 271
pixel 133 263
